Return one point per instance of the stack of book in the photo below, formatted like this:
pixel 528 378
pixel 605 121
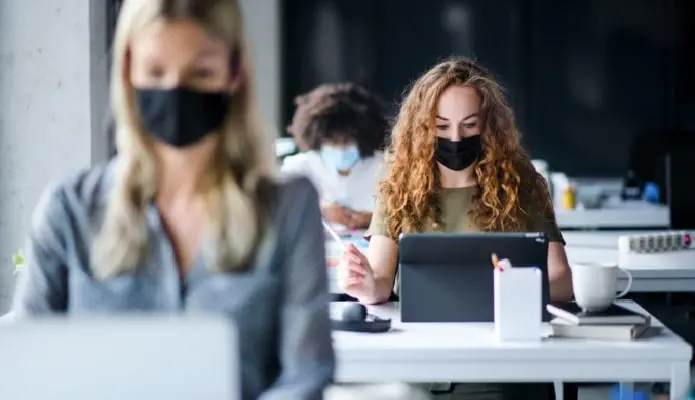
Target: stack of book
pixel 614 323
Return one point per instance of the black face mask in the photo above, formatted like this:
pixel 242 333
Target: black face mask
pixel 458 155
pixel 180 116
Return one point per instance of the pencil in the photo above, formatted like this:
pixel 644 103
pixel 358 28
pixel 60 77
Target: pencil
pixel 496 262
pixel 335 235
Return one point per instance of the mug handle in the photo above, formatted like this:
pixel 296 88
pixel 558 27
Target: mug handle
pixel 629 283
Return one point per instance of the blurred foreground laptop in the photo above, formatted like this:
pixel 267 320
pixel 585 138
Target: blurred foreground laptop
pixel 123 357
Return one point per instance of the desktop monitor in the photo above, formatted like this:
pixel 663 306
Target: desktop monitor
pixel 449 277
pixel 646 162
pixel 681 187
pixel 120 357
pixel 665 159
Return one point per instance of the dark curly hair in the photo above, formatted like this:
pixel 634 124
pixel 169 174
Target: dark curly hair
pixel 343 110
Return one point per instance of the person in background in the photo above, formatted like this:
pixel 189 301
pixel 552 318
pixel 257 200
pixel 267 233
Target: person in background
pixel 341 130
pixel 188 216
pixel 456 164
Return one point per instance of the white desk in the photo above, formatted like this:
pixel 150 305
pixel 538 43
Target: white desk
pixel 469 353
pixel 629 217
pixel 664 278
pixel 601 247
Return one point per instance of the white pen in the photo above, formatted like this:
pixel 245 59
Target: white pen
pixel 334 234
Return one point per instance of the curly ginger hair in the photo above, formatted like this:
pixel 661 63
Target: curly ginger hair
pixel 509 190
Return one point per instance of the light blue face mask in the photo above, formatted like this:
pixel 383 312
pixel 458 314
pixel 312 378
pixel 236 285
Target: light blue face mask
pixel 340 158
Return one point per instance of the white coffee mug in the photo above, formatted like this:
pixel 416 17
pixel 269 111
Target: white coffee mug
pixel 595 285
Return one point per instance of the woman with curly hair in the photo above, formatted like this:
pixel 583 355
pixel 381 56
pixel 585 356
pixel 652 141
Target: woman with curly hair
pixel 341 130
pixel 455 164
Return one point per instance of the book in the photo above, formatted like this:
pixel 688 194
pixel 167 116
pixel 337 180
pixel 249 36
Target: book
pixel 614 315
pixel 562 328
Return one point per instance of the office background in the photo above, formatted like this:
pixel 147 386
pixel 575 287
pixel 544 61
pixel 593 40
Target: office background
pixel 584 77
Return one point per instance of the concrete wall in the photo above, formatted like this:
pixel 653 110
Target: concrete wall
pixel 53 97
pixel 262 24
pixel 45 112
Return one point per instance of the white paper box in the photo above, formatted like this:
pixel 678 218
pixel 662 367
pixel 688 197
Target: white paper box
pixel 518 304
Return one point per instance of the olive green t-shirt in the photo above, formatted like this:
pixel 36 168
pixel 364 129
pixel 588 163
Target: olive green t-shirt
pixel 455 205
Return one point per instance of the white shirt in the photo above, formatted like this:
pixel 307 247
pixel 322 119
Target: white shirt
pixel 356 191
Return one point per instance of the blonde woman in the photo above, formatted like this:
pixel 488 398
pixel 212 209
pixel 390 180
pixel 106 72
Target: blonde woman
pixel 188 216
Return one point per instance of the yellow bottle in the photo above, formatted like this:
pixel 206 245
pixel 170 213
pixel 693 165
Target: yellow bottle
pixel 569 198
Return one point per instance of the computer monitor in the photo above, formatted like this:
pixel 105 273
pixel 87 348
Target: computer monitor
pixel 645 164
pixel 449 277
pixel 665 159
pixel 120 357
pixel 681 191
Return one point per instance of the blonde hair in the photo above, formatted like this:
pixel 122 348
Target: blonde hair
pixel 243 162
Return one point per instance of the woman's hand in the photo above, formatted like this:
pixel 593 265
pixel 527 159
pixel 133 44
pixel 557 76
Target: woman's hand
pixel 336 214
pixel 355 275
pixel 359 219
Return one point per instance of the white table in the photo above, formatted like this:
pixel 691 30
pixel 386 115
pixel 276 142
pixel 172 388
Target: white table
pixel 666 275
pixel 642 216
pixel 469 353
pixel 601 247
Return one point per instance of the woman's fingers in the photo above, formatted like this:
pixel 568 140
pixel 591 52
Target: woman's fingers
pixel 354 251
pixel 353 282
pixel 352 258
pixel 356 218
pixel 356 270
pixel 353 264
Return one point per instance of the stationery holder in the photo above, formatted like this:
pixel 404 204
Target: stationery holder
pixel 518 304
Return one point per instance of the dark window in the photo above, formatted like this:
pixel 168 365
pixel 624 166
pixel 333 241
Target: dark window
pixel 584 77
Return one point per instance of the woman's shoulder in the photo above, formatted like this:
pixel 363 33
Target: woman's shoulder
pixel 83 189
pixel 289 199
pixel 69 204
pixel 377 157
pixel 301 162
pixel 376 160
pixel 371 167
pixel 293 190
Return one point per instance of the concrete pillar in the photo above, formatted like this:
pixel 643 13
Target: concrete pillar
pixel 49 107
pixel 262 22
